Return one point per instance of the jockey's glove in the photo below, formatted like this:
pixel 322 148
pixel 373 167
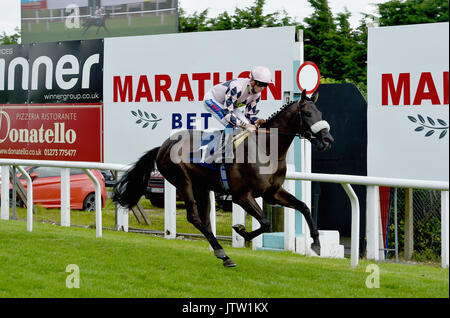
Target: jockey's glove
pixel 250 128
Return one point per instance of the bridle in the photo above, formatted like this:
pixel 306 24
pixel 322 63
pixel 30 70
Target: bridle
pixel 314 129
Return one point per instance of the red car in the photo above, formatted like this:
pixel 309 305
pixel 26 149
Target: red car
pixel 47 188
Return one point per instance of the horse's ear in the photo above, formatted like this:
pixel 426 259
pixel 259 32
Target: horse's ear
pixel 315 97
pixel 303 97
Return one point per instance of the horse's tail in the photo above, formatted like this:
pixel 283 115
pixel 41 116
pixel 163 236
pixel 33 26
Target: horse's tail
pixel 129 189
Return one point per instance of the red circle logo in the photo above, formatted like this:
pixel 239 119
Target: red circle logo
pixel 310 70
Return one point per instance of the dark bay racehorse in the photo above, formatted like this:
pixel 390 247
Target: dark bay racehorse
pixel 96 21
pixel 194 181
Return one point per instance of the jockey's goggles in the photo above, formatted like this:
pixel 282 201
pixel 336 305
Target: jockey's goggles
pixel 261 84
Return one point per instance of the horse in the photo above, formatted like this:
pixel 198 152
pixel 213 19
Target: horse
pixel 98 21
pixel 298 118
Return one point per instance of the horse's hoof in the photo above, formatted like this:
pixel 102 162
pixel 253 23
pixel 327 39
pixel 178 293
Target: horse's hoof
pixel 228 263
pixel 316 248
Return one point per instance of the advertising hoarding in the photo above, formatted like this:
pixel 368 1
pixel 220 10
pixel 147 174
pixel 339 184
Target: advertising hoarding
pixel 59 72
pixel 51 132
pixel 408 100
pixel 150 86
pixel 61 20
pixel 50 101
pixel 14 74
pixel 156 84
pixel 33 4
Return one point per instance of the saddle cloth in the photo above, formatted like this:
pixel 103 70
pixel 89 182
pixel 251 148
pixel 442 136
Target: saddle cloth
pixel 217 146
pixel 215 151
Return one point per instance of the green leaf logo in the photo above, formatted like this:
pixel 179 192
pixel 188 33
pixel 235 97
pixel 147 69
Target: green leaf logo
pixel 144 117
pixel 430 125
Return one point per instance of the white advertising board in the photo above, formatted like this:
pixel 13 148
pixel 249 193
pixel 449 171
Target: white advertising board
pixel 155 84
pixel 408 101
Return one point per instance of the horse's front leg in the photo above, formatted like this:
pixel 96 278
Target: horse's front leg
pixel 249 204
pixel 284 198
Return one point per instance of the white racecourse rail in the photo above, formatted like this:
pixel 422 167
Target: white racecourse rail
pixel 65 187
pixel 372 210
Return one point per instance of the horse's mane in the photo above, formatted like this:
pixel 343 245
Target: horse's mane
pixel 275 114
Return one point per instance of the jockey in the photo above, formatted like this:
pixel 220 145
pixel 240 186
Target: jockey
pixel 100 11
pixel 223 100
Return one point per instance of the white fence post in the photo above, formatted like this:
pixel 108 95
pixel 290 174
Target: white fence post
pixel 212 214
pixel 122 218
pixel 257 242
pixel 289 186
pixel 170 211
pixel 29 199
pixel 381 242
pixel 354 257
pixel 444 228
pixel 289 219
pixel 121 212
pixel 306 155
pixel 372 223
pixel 98 203
pixel 238 217
pixel 5 193
pixel 65 196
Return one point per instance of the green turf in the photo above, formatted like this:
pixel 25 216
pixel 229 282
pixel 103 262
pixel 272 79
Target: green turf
pixel 33 264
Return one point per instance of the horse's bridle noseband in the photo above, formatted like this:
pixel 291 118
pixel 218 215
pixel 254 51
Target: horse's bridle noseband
pixel 321 124
pixel 315 128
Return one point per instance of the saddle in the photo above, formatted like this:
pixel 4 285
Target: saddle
pixel 216 151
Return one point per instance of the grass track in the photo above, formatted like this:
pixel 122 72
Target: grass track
pixel 131 265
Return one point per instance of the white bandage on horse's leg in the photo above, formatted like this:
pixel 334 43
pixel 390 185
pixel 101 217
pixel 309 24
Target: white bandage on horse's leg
pixel 323 124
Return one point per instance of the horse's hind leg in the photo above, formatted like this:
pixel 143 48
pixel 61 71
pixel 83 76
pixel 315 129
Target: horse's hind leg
pixel 286 199
pixel 203 203
pixel 249 204
pixel 197 209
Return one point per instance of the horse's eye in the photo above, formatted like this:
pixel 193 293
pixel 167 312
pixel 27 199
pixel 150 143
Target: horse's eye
pixel 307 114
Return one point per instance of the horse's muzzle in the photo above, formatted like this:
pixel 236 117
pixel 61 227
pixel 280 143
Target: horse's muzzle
pixel 323 140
